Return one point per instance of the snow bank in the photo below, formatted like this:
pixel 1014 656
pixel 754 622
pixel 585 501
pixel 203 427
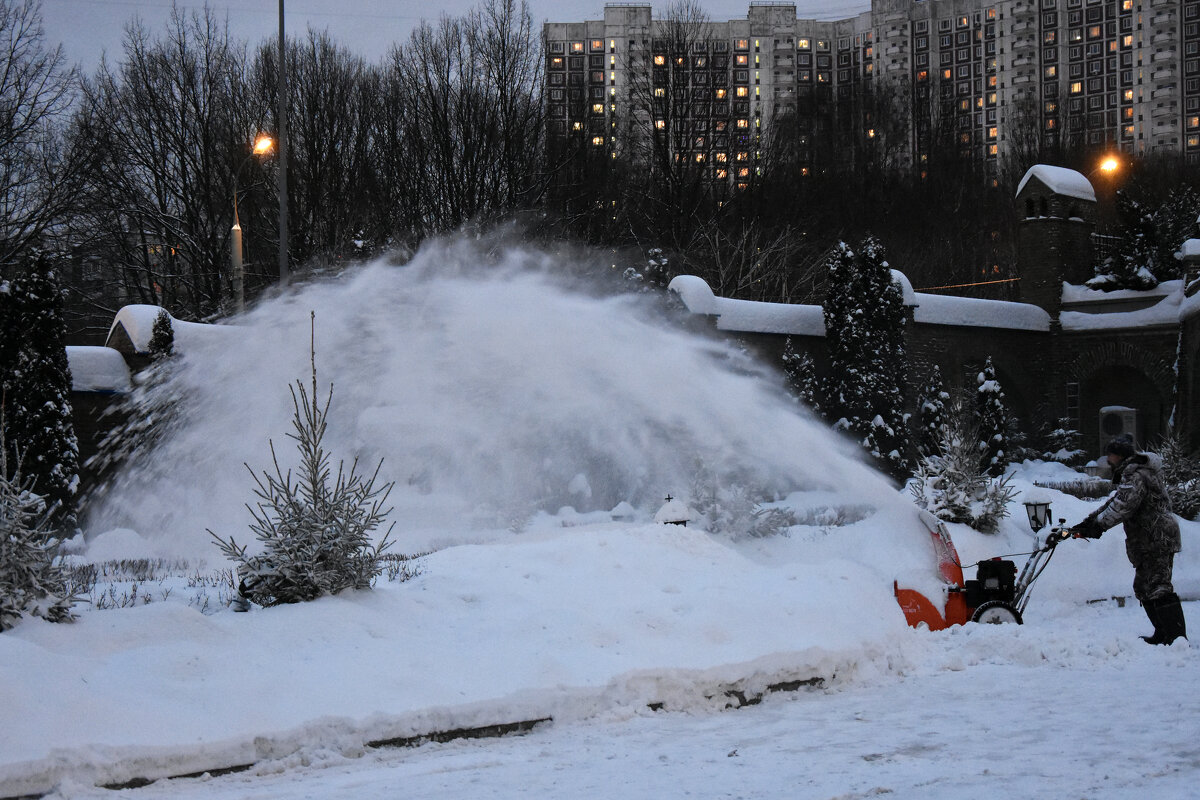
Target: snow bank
pixel 1060 180
pixel 98 369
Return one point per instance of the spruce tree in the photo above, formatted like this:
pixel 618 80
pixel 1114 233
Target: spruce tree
pixel 801 375
pixel 864 331
pixel 931 406
pixel 36 380
pixel 315 526
pixel 162 336
pixel 995 422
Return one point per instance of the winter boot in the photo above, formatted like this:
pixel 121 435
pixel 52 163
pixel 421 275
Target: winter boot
pixel 1151 609
pixel 1170 623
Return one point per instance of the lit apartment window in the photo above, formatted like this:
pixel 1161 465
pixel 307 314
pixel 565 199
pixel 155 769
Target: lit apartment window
pixel 660 124
pixel 722 174
pixel 743 123
pixel 612 45
pixel 964 22
pixel 991 13
pixel 947 74
pixel 577 126
pixel 1127 40
pixel 597 141
pixel 923 75
pixel 1051 71
pixel 660 61
pixel 576 47
pixel 721 93
pixel 803 44
pixel 722 158
pixel 1051 106
pixel 992 132
pixel 1192 122
pixel 1076 87
pixel 1127 5
pixel 597 108
pixel 741 44
pixel 993 149
pixel 1127 131
pixel 744 172
pixel 1094 31
pixel 1050 124
pixel 742 91
pixel 1193 140
pixel 660 92
pixel 741 60
pixel 597 45
pixel 741 156
pixel 1128 95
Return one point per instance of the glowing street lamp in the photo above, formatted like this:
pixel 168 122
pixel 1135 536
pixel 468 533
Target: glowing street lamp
pixel 262 146
pixel 1109 165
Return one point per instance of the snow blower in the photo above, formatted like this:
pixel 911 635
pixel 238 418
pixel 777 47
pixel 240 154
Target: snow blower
pixel 996 595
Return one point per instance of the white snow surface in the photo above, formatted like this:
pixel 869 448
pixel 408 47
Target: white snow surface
pixel 1060 180
pixel 977 312
pixel 139 319
pixel 492 390
pixel 98 369
pixel 1077 293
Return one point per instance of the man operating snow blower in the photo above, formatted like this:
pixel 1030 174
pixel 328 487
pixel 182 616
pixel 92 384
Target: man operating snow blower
pixel 1151 534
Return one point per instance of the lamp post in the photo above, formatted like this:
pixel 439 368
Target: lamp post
pixel 262 146
pixel 1038 511
pixel 281 108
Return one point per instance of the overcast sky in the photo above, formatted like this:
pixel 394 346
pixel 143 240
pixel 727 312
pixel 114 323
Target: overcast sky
pixel 86 28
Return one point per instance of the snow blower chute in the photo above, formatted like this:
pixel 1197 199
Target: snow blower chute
pixel 996 595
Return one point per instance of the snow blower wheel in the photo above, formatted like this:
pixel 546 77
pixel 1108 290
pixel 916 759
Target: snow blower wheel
pixel 997 612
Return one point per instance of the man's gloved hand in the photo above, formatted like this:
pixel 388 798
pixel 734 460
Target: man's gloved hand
pixel 1088 529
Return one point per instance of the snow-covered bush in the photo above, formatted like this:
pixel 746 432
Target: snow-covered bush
pixel 32 580
pixel 736 510
pixel 1181 474
pixel 953 484
pixel 315 528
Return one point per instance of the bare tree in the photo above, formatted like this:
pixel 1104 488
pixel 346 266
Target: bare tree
pixel 36 172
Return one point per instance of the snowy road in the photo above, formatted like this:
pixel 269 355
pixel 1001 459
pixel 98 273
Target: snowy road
pixel 1073 706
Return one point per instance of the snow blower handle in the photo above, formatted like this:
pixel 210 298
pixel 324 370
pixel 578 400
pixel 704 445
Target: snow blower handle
pixel 1059 533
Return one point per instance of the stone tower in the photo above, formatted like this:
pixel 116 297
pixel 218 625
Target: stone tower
pixel 1057 215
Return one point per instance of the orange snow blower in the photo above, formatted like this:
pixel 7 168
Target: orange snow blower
pixel 997 594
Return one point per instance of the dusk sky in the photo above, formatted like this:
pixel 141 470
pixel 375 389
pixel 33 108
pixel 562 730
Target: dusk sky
pixel 86 28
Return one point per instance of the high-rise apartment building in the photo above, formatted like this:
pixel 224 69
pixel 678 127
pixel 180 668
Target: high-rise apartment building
pixel 992 79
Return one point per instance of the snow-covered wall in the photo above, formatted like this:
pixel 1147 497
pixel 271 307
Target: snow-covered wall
pixel 138 322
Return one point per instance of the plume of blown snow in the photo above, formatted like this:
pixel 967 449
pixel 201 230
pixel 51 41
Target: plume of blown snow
pixel 491 387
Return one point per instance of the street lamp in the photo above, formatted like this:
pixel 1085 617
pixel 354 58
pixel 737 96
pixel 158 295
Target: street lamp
pixel 262 146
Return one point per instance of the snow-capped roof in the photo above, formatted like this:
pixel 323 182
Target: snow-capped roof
pixel 1167 311
pixel 98 369
pixel 936 309
pixel 1060 180
pixel 138 321
pixel 748 316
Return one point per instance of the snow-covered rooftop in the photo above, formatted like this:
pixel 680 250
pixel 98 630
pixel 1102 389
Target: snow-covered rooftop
pixel 749 316
pixel 1060 180
pixel 138 321
pixel 98 369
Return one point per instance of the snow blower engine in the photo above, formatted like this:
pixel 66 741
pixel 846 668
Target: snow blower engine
pixel 997 594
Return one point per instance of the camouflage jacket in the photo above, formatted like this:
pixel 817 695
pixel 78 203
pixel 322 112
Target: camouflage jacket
pixel 1141 503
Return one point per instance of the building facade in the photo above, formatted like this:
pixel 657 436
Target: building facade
pixel 990 78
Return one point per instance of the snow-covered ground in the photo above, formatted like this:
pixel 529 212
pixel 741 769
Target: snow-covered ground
pixel 489 393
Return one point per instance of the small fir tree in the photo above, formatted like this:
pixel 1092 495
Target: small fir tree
pixel 995 422
pixel 316 528
pixel 1061 444
pixel 36 379
pixel 864 330
pixel 931 406
pixel 1181 475
pixel 801 375
pixel 952 484
pixel 162 336
pixel 32 580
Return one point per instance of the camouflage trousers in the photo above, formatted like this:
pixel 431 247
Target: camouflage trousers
pixel 1152 567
